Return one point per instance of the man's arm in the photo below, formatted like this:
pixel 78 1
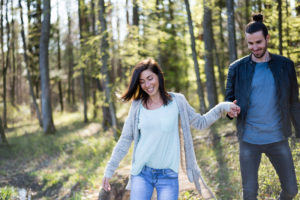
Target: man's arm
pixel 294 99
pixel 230 90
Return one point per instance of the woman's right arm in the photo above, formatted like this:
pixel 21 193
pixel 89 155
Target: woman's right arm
pixel 121 148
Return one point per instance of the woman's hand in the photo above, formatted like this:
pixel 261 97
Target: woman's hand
pixel 234 110
pixel 105 184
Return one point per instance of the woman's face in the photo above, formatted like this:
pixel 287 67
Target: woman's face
pixel 149 83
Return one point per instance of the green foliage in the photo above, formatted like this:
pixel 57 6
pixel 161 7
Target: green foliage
pixel 7 193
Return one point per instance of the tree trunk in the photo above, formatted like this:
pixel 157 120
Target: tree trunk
pixel 247 15
pixel 60 92
pixel 135 17
pixel 231 30
pixel 220 51
pixel 194 54
pixel 83 31
pixel 104 70
pixel 279 25
pixel 220 70
pixel 5 61
pixel 13 82
pixel 34 15
pixel 127 13
pixel 287 30
pixel 48 125
pixel 28 75
pixel 259 5
pixel 159 59
pixel 298 8
pixel 208 56
pixel 70 59
pixel 2 134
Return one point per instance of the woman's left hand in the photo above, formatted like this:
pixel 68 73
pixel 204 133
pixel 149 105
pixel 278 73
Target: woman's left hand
pixel 234 109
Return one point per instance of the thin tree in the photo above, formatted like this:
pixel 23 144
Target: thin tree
pixel 231 30
pixel 34 17
pixel 135 13
pixel 13 35
pixel 259 5
pixel 70 63
pixel 2 134
pixel 219 51
pixel 60 91
pixel 194 55
pixel 28 74
pixel 48 125
pixel 94 92
pixel 83 34
pixel 5 60
pixel 104 69
pixel 279 2
pixel 208 56
pixel 247 15
pixel 158 14
pixel 287 29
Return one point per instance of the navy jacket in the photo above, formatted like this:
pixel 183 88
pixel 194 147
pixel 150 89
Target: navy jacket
pixel 238 88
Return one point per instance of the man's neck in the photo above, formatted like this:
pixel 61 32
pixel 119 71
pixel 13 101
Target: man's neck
pixel 265 58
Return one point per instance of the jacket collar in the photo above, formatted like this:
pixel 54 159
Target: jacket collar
pixel 249 58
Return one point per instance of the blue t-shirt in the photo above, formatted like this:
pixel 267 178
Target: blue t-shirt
pixel 159 145
pixel 263 121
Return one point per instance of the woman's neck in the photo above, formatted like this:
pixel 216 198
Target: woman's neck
pixel 154 102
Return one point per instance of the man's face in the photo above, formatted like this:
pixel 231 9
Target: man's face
pixel 257 43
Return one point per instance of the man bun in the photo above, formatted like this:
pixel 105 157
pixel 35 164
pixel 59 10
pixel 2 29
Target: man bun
pixel 257 17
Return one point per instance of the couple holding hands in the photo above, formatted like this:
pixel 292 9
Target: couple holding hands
pixel 261 92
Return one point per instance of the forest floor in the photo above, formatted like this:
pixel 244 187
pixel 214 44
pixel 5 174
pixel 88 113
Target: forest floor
pixel 70 164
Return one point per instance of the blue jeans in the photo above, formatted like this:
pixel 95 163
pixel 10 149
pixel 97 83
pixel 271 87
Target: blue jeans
pixel 164 180
pixel 279 154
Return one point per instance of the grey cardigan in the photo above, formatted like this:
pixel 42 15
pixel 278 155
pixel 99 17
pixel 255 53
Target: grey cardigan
pixel 188 117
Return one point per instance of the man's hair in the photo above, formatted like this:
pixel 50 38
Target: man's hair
pixel 257 25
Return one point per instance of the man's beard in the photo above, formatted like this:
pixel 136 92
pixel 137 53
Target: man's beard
pixel 261 55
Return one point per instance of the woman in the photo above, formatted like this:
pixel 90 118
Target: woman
pixel 152 124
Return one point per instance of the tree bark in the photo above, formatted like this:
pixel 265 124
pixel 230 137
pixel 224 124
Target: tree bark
pixel 13 35
pixel 83 31
pixel 231 30
pixel 48 125
pixel 247 15
pixel 34 16
pixel 2 134
pixel 220 51
pixel 208 56
pixel 287 28
pixel 135 13
pixel 5 61
pixel 104 70
pixel 60 91
pixel 259 5
pixel 279 25
pixel 28 75
pixel 70 59
pixel 194 54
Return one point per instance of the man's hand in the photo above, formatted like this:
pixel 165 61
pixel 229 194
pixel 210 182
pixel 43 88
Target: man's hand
pixel 234 110
pixel 105 184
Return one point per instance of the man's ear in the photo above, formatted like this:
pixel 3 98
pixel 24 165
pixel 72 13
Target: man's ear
pixel 268 37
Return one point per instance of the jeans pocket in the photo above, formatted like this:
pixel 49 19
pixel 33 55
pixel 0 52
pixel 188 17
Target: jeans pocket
pixel 171 174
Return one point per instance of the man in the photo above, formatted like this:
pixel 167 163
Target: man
pixel 265 87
